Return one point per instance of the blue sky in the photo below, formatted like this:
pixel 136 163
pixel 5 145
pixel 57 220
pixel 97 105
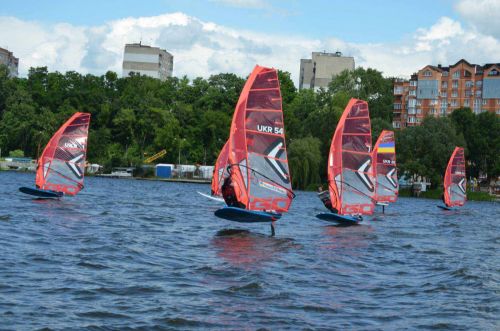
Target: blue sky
pixel 356 21
pixel 213 36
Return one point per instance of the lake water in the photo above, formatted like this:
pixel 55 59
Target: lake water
pixel 130 254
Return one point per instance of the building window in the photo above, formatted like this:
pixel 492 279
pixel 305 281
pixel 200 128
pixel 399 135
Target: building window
pixel 454 103
pixel 427 73
pixel 497 111
pixel 467 73
pixel 455 84
pixel 479 83
pixel 445 73
pixel 485 102
pixel 469 83
pixel 494 72
pixel 413 92
pixel 444 103
pixel 397 106
pixel 477 102
pixel 454 94
pixel 413 83
pixel 466 103
pixel 444 85
pixel 419 102
pixel 498 101
pixel 444 94
pixel 478 93
pixel 456 74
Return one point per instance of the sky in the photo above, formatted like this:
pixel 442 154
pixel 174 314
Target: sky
pixel 213 36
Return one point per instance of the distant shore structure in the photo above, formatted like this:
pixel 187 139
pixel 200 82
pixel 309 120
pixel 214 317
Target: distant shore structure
pixel 7 58
pixel 319 70
pixel 147 60
pixel 437 91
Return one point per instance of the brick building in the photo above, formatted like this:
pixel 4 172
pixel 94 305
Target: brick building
pixel 437 91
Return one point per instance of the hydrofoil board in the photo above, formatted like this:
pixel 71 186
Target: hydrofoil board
pixel 342 219
pixel 246 216
pixel 40 193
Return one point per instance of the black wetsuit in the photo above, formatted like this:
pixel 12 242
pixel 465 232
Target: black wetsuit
pixel 325 198
pixel 229 194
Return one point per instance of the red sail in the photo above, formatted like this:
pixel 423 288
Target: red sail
pixel 454 179
pixel 350 176
pixel 61 166
pixel 257 151
pixel 220 171
pixel 384 158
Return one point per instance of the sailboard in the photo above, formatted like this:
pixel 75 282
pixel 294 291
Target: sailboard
pixel 455 184
pixel 257 159
pixel 60 169
pixel 350 175
pixel 211 197
pixel 384 169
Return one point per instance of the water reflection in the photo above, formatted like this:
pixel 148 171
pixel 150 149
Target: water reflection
pixel 346 238
pixel 247 249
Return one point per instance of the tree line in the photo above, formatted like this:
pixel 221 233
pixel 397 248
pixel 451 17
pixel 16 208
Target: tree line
pixel 137 116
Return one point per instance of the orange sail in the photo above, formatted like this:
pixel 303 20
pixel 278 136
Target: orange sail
pixel 454 179
pixel 220 171
pixel 350 175
pixel 61 166
pixel 257 151
pixel 384 159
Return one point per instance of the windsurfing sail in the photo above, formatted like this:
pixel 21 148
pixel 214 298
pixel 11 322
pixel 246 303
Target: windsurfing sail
pixel 350 175
pixel 220 170
pixel 385 174
pixel 61 165
pixel 454 179
pixel 257 151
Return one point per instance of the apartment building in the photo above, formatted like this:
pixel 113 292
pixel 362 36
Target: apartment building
pixel 437 91
pixel 146 60
pixel 321 68
pixel 7 58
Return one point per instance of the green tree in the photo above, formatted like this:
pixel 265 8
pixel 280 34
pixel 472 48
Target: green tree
pixel 304 159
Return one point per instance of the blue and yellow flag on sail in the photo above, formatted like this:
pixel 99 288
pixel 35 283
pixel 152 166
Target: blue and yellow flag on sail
pixel 387 147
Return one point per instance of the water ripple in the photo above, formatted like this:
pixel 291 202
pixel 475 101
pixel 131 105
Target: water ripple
pixel 135 255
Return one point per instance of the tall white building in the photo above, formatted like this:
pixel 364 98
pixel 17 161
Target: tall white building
pixel 146 60
pixel 7 58
pixel 321 68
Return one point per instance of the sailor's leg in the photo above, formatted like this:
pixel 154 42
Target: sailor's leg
pixel 272 229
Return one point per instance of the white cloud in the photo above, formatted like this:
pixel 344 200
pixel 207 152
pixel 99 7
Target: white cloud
pixel 204 48
pixel 253 4
pixel 484 15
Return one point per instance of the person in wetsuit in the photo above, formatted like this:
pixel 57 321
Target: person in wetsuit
pixel 324 196
pixel 229 194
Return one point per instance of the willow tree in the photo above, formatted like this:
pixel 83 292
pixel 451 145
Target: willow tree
pixel 304 159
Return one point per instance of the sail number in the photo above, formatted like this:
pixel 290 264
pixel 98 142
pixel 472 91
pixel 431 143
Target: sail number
pixel 269 129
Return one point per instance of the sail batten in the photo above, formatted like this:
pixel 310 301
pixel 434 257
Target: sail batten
pixel 385 173
pixel 61 166
pixel 350 176
pixel 455 186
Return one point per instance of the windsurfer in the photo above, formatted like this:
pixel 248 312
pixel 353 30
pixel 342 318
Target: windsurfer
pixel 324 196
pixel 229 194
